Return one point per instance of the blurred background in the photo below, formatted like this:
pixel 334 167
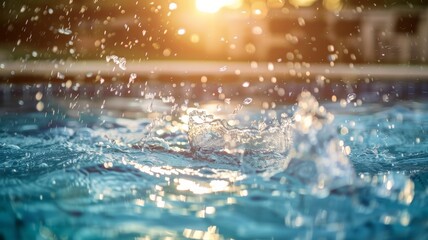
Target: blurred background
pixel 325 31
pixel 332 48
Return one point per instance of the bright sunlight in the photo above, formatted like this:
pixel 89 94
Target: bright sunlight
pixel 213 6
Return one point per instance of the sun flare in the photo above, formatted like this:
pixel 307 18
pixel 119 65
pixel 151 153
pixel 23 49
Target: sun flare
pixel 213 6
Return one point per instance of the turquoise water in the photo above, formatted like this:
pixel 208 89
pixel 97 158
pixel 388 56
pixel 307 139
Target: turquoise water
pixel 303 171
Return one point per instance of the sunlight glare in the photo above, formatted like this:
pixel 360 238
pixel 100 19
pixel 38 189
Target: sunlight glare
pixel 302 3
pixel 213 6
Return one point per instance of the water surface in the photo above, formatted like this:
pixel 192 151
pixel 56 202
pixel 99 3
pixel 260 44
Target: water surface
pixel 299 171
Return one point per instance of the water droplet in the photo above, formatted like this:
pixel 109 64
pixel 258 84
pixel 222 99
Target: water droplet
pixel 270 66
pixel 351 97
pixel 254 65
pixel 133 76
pixel 64 31
pixel 248 101
pixel 103 104
pixel 237 109
pixel 172 6
pixel 181 31
pixel 150 107
pixel 246 84
pixel 60 75
pixel 122 65
pixel 301 21
pixel 223 69
pixel 220 89
pixel 257 30
pixel 117 60
pixel 385 98
pixel 168 99
pixel 227 100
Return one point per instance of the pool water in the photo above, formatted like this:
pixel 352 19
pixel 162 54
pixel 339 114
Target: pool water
pixel 299 171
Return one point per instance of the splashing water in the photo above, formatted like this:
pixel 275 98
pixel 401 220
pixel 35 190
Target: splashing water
pixel 306 148
pixel 207 134
pixel 316 158
pixel 288 178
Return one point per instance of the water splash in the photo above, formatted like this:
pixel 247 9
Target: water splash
pixel 260 146
pixel 75 170
pixel 306 146
pixel 392 185
pixel 316 157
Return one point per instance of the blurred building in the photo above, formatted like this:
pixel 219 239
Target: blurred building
pixel 351 35
pixel 254 30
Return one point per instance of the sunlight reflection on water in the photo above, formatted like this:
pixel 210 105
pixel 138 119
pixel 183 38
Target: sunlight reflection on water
pixel 138 177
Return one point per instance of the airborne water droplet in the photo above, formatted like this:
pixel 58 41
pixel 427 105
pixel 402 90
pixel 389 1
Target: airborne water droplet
pixel 248 101
pixel 237 109
pixel 301 21
pixel 132 78
pixel 117 60
pixel 64 31
pixel 351 97
pixel 150 107
pixel 220 89
pixel 122 65
pixel 60 75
